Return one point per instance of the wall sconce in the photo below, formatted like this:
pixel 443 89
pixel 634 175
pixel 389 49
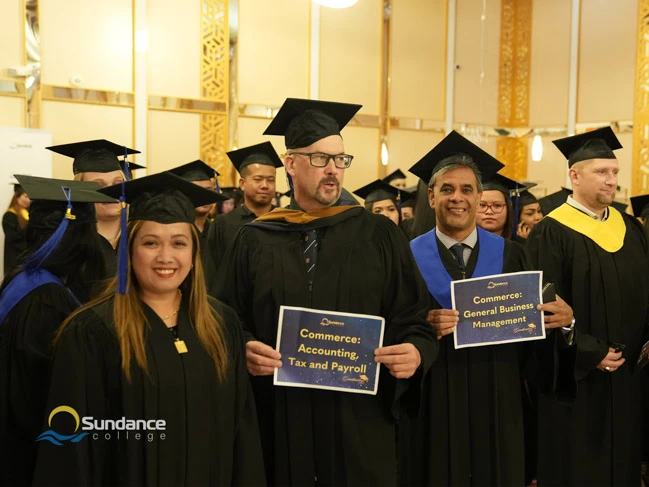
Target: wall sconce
pixel 384 153
pixel 141 40
pixel 537 148
pixel 336 3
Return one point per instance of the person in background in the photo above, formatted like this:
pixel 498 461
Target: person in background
pixel 640 206
pixel 257 166
pixel 381 199
pixel 597 259
pixel 235 199
pixel 408 206
pixel 62 262
pixel 199 173
pixel 494 212
pixel 154 346
pixel 97 161
pixel 396 179
pixel 529 212
pixel 14 222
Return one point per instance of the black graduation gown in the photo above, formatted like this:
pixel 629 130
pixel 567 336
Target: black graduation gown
pixel 110 256
pixel 15 243
pixel 470 429
pixel 209 269
pixel 25 349
pixel 364 265
pixel 596 440
pixel 222 232
pixel 211 435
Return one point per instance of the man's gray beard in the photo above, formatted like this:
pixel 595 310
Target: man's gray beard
pixel 319 198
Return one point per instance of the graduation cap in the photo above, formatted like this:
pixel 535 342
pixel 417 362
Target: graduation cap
pixel 57 203
pixel 555 200
pixel 96 156
pixel 501 183
pixel 230 191
pixel 303 122
pixel 452 149
pixel 525 197
pixel 263 154
pixel 398 174
pixel 162 198
pixel 377 190
pixel 596 144
pixel 639 204
pixel 195 171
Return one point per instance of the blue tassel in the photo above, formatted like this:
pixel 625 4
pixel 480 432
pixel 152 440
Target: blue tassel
pixel 216 182
pixel 399 199
pixel 38 258
pixel 122 252
pixel 127 171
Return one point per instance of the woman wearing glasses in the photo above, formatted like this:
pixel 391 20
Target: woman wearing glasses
pixel 495 212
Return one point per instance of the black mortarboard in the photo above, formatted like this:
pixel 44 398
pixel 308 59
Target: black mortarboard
pixel 195 171
pixel 55 204
pixel 163 198
pixel 95 155
pixel 639 203
pixel 501 183
pixel 230 191
pixel 377 190
pixel 303 122
pixel 455 145
pixel 398 174
pixel 619 206
pixel 596 144
pixel 555 200
pixel 263 154
pixel 525 197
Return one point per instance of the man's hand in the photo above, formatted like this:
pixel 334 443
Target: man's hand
pixel 262 359
pixel 561 313
pixel 444 321
pixel 611 362
pixel 402 360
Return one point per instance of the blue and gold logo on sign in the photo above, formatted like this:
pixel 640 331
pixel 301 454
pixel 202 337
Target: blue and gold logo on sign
pixel 56 438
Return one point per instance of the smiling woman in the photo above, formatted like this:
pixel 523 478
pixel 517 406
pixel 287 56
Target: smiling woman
pixel 160 351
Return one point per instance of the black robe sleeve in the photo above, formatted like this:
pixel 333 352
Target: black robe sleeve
pixel 14 240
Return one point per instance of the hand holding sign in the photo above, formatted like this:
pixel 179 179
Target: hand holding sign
pixel 561 313
pixel 402 360
pixel 262 359
pixel 443 321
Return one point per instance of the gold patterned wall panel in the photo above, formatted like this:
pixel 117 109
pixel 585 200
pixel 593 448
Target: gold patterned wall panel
pixel 641 104
pixel 174 60
pixel 550 63
pixel 72 122
pixel 214 84
pixel 273 50
pixel 91 40
pixel 418 74
pixel 514 84
pixel 607 56
pixel 11 34
pixel 350 54
pixel 476 52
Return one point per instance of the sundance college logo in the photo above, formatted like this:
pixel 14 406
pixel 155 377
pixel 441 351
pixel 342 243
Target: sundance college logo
pixel 104 429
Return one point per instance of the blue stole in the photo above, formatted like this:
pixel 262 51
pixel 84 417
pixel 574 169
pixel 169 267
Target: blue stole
pixel 438 280
pixel 22 285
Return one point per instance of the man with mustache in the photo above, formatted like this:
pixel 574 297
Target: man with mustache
pixel 598 259
pixel 257 166
pixel 323 254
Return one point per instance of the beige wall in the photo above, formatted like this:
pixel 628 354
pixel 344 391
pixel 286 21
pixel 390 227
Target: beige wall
pixel 174 54
pixel 11 35
pixel 476 102
pixel 73 122
pixel 550 62
pixel 273 50
pixel 89 39
pixel 418 74
pixel 406 147
pixel 173 139
pixel 12 111
pixel 350 54
pixel 363 144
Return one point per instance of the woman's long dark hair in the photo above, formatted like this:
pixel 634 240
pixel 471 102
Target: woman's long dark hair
pixel 77 259
pixel 424 214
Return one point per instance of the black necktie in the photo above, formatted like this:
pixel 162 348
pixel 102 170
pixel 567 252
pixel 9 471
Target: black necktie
pixel 458 251
pixel 310 253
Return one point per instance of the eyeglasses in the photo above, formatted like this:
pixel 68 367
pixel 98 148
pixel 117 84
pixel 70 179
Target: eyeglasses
pixel 321 159
pixel 495 207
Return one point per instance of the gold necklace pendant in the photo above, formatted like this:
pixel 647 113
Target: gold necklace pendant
pixel 180 345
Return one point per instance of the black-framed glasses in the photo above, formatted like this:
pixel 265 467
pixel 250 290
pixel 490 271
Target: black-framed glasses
pixel 321 159
pixel 496 207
